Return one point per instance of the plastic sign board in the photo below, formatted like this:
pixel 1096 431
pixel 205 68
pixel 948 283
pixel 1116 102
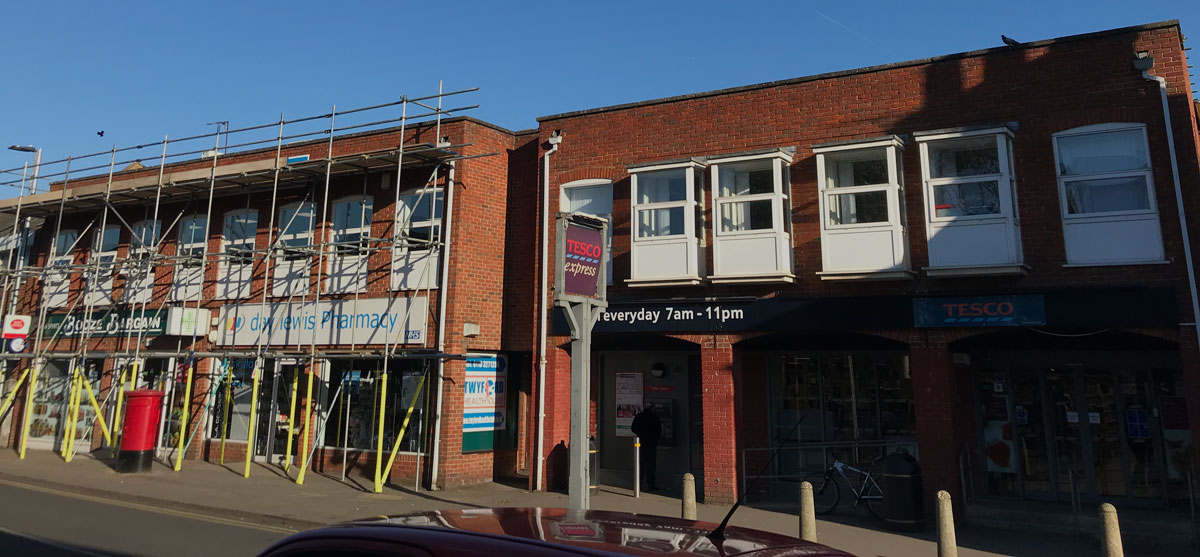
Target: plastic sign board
pixel 186 322
pixel 583 259
pixel 979 311
pixel 16 326
pixel 484 393
pixel 107 323
pixel 329 322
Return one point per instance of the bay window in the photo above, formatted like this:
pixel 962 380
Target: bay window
pixel 58 276
pixel 752 209
pixel 293 252
pixel 1106 187
pixel 347 266
pixel 860 186
pixel 970 201
pixel 416 256
pixel 101 266
pixel 189 254
pixel 667 207
pixel 138 268
pixel 237 254
pixel 593 197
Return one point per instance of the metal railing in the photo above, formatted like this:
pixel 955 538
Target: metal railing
pixel 782 480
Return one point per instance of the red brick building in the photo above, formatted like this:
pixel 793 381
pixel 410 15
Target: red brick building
pixel 975 257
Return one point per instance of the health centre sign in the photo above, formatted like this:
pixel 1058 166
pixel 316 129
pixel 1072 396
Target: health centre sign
pixel 485 393
pixel 332 322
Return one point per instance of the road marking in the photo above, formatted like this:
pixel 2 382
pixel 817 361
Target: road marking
pixel 149 508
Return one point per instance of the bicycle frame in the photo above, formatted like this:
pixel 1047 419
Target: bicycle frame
pixel 866 480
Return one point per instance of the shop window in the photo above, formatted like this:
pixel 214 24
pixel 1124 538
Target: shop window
pixel 970 202
pixel 593 197
pixel 189 258
pixel 237 254
pixel 416 256
pixel 138 268
pixel 668 225
pixel 58 277
pixel 353 419
pixel 863 227
pixel 102 265
pixel 347 265
pixel 293 250
pixel 753 213
pixel 1106 187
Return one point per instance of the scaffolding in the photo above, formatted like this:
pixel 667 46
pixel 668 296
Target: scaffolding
pixel 275 159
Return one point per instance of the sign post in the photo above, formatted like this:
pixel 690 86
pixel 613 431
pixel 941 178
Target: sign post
pixel 580 288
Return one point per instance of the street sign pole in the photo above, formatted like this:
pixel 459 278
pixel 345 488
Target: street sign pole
pixel 580 289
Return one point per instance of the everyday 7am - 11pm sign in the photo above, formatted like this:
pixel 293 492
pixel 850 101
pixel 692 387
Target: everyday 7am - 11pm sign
pixel 979 311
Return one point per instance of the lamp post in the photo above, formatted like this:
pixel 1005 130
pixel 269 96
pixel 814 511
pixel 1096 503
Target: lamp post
pixel 37 162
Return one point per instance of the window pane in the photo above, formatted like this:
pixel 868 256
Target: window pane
pixel 191 230
pixel 1102 152
pixel 66 241
pixel 110 239
pixel 145 235
pixel 747 178
pixel 662 186
pixel 594 200
pixel 972 198
pixel 746 215
pixel 660 222
pixel 241 227
pixel 352 214
pixel 1127 193
pixel 973 156
pixel 417 206
pixel 296 220
pixel 858 208
pixel 859 168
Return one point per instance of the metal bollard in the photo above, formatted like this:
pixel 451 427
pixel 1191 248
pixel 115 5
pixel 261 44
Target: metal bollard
pixel 947 544
pixel 808 515
pixel 637 466
pixel 1112 531
pixel 689 497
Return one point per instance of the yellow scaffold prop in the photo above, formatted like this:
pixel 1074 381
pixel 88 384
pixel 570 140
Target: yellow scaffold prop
pixel 291 422
pixel 308 406
pixel 127 376
pixel 183 418
pixel 381 479
pixel 225 419
pixel 8 400
pixel 29 394
pixel 79 386
pixel 253 416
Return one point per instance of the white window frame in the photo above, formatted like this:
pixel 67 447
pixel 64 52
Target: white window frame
pixel 693 231
pixel 191 264
pixel 364 230
pixel 286 262
pixel 357 256
pixel 897 221
pixel 99 274
pixel 565 206
pixel 1148 173
pixel 418 254
pixel 140 250
pixel 236 263
pixel 1005 180
pixel 58 277
pixel 246 244
pixel 780 197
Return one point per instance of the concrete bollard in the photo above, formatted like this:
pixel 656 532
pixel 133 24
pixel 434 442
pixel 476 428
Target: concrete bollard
pixel 947 543
pixel 808 514
pixel 1112 531
pixel 689 497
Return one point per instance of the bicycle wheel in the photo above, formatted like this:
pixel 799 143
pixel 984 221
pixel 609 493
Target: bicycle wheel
pixel 825 492
pixel 873 496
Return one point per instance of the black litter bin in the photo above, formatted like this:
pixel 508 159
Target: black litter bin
pixel 903 502
pixel 593 464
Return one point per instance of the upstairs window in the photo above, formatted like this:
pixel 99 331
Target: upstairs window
pixel 143 243
pixel 192 241
pixel 57 280
pixel 419 219
pixel 661 204
pixel 965 176
pixel 1106 188
pixel 594 197
pixel 667 204
pixel 861 191
pixel 104 250
pixel 753 214
pixel 238 236
pixel 856 185
pixel 352 225
pixel 295 231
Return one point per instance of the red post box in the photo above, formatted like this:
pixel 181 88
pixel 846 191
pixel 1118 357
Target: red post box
pixel 143 409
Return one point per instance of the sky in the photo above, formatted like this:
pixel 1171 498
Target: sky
pixel 137 71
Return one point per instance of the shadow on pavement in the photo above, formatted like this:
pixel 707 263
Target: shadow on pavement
pixel 17 544
pixel 429 497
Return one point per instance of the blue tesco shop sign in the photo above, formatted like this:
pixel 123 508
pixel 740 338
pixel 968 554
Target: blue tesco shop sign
pixel 980 311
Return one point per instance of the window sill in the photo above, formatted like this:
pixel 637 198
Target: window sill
pixel 1117 263
pixel 866 275
pixel 977 270
pixel 666 281
pixel 742 279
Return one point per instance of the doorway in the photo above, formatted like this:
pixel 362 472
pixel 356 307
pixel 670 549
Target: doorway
pixel 280 381
pixel 50 405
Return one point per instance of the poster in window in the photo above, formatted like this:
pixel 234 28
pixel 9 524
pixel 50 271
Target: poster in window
pixel 628 400
pixel 999 449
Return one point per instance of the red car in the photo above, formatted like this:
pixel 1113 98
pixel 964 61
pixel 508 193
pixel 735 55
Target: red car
pixel 531 532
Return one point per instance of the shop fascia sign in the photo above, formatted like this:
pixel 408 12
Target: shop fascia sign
pixel 333 322
pixel 150 322
pixel 980 311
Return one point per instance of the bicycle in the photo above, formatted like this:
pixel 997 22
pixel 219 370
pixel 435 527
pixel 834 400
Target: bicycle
pixel 827 494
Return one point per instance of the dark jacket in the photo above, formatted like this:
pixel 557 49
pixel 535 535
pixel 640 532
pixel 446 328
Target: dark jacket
pixel 647 426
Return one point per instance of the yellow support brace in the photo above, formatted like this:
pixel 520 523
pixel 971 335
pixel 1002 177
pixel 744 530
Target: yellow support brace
pixel 13 395
pixel 379 450
pixel 403 427
pixel 30 393
pixel 96 405
pixel 117 414
pixel 308 406
pixel 287 463
pixel 183 418
pixel 253 417
pixel 225 420
pixel 72 418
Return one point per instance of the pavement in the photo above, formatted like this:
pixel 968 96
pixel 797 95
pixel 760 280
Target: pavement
pixel 271 500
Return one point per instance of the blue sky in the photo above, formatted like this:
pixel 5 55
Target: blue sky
pixel 71 68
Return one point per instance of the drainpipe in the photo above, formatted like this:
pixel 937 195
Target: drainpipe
pixel 1144 62
pixel 447 221
pixel 555 139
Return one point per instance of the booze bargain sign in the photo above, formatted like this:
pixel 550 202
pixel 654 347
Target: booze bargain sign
pixel 582 259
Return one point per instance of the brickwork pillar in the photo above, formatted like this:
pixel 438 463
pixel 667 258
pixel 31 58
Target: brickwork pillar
pixel 939 404
pixel 1189 355
pixel 718 401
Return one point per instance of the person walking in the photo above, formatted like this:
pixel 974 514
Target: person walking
pixel 648 428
